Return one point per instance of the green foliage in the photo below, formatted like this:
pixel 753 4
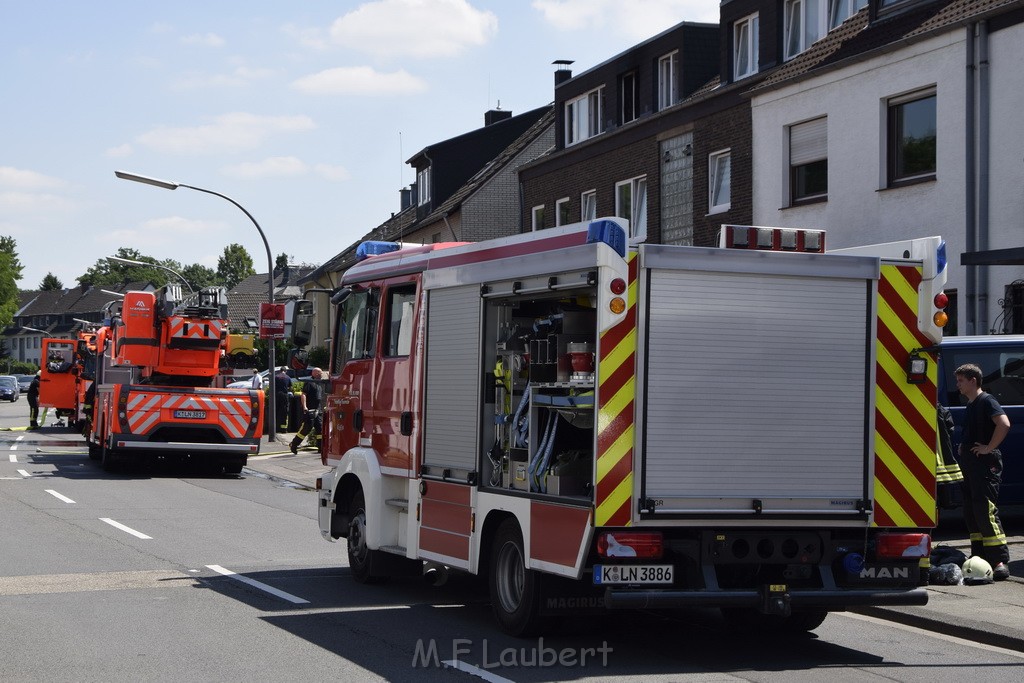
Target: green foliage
pixel 51 283
pixel 104 273
pixel 200 276
pixel 10 273
pixel 234 265
pixel 281 261
pixel 260 350
pixel 319 357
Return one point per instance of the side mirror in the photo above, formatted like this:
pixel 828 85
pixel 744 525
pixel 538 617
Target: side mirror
pixel 302 323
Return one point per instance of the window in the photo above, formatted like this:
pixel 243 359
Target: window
pixel 719 181
pixel 398 333
pixel 537 217
pixel 355 334
pixel 631 204
pixel 744 50
pixel 423 185
pixel 808 160
pixel 562 212
pixel 583 117
pixel 841 10
pixel 668 90
pixel 588 205
pixel 627 97
pixel 804 24
pixel 912 137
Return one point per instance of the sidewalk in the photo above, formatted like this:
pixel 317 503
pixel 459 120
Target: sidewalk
pixel 992 614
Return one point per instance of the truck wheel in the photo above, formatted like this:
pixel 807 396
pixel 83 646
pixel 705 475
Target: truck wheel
pixel 515 590
pixel 107 459
pixel 95 451
pixel 364 562
pixel 234 468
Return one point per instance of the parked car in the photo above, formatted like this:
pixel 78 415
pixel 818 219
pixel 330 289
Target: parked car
pixel 9 390
pixel 294 374
pixel 1001 359
pixel 24 381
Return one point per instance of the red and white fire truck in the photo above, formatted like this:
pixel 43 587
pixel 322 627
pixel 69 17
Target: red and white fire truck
pixel 595 425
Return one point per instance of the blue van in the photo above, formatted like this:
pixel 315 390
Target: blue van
pixel 1001 359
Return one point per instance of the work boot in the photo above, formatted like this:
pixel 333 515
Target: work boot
pixel 294 445
pixel 1000 572
pixel 33 426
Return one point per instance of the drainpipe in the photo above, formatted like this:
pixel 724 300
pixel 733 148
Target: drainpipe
pixel 455 238
pixel 970 307
pixel 983 170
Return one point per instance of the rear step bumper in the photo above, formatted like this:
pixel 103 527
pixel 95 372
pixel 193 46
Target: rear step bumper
pixel 837 599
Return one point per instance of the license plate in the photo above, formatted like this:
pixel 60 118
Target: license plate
pixel 632 573
pixel 190 414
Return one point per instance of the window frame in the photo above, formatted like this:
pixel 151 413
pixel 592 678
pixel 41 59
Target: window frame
pixel 628 94
pixel 713 159
pixel 751 24
pixel 408 293
pixel 537 217
pixel 562 207
pixel 805 40
pixel 812 159
pixel 637 186
pixel 584 110
pixel 839 11
pixel 668 84
pixel 895 150
pixel 585 200
pixel 423 186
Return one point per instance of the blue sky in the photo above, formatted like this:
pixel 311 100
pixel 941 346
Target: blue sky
pixel 302 112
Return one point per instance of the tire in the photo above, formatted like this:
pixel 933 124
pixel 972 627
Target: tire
pixel 750 621
pixel 515 590
pixel 367 565
pixel 108 460
pixel 234 468
pixel 95 451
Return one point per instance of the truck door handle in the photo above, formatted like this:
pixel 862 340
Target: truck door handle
pixel 406 423
pixel 357 420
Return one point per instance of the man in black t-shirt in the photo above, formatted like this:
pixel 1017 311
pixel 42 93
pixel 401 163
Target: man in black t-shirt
pixel 985 427
pixel 312 394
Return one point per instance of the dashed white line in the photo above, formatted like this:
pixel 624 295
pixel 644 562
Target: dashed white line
pixel 59 496
pixel 14 457
pixel 24 473
pixel 476 671
pixel 257 584
pixel 128 529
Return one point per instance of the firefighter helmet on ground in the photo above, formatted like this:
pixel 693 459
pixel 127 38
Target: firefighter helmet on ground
pixel 977 570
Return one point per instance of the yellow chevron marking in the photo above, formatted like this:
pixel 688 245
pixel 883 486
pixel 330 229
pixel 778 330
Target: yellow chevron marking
pixel 898 374
pixel 615 500
pixel 923 496
pixel 886 502
pixel 619 449
pixel 924 452
pixel 619 355
pixel 615 405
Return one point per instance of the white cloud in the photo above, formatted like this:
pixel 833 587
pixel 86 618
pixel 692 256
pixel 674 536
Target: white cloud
pixel 124 150
pixel 420 28
pixel 333 173
pixel 312 38
pixel 207 39
pixel 234 132
pixel 160 232
pixel 359 80
pixel 34 202
pixel 637 19
pixel 271 167
pixel 29 180
pixel 240 76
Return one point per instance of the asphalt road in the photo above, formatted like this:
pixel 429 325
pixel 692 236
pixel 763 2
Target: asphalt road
pixel 169 574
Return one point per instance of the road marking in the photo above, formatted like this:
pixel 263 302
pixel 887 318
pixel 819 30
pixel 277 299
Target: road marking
pixel 475 671
pixel 20 437
pixel 24 473
pixel 934 634
pixel 99 581
pixel 56 495
pixel 257 584
pixel 122 527
pixel 14 457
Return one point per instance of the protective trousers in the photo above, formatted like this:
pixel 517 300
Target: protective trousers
pixel 982 477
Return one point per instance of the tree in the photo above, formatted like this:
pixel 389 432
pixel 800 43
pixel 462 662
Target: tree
pixel 199 276
pixel 234 265
pixel 10 273
pixel 281 262
pixel 51 283
pixel 105 272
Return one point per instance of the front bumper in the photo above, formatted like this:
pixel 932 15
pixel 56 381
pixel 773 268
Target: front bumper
pixel 615 598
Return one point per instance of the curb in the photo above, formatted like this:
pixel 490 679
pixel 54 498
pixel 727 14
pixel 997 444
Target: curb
pixel 971 633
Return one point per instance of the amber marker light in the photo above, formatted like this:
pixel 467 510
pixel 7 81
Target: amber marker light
pixel 617 305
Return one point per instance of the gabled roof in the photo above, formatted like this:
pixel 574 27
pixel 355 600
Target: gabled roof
pixel 77 300
pixel 858 38
pixel 245 297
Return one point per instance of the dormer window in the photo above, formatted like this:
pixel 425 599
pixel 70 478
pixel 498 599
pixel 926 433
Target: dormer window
pixel 584 117
pixel 668 80
pixel 423 185
pixel 744 51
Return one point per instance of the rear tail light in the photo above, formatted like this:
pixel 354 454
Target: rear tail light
pixel 630 544
pixel 893 546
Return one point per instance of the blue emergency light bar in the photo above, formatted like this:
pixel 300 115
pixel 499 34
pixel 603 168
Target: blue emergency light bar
pixel 609 232
pixel 375 248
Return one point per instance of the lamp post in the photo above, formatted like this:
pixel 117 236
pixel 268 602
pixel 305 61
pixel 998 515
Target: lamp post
pixel 130 262
pixel 168 185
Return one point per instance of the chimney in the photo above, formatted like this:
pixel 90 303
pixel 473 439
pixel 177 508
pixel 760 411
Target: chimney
pixel 496 114
pixel 405 198
pixel 562 71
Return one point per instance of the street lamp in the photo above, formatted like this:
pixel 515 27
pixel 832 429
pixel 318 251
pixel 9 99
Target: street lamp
pixel 168 185
pixel 130 262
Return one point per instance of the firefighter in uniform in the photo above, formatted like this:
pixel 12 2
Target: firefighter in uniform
pixel 33 401
pixel 985 427
pixel 312 394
